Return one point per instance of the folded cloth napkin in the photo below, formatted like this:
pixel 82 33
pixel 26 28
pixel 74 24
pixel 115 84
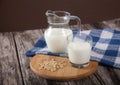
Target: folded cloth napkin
pixel 106 46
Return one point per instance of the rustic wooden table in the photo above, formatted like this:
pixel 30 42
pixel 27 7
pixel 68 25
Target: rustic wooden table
pixel 15 69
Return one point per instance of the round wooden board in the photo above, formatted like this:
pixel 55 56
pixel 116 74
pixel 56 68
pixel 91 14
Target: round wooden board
pixel 66 73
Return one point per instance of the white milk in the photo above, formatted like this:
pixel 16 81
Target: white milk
pixel 79 52
pixel 58 39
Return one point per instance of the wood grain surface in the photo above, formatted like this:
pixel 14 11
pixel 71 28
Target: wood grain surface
pixel 24 41
pixel 10 73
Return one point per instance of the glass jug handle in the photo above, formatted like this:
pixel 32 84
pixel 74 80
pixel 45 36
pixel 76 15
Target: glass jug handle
pixel 77 20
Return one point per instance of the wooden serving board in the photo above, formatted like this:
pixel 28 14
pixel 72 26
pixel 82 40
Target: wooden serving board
pixel 66 73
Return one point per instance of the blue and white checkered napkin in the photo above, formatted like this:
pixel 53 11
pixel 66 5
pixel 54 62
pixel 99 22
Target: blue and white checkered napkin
pixel 106 46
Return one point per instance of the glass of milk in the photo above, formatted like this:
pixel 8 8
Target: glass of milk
pixel 79 50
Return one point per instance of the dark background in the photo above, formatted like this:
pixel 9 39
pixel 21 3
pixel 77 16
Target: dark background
pixel 30 14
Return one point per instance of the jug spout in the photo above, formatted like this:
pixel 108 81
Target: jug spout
pixel 49 13
pixel 50 16
pixel 57 17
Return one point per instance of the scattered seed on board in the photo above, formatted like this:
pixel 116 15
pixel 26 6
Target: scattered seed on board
pixel 51 65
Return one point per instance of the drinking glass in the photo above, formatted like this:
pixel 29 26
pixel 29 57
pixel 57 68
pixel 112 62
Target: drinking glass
pixel 79 50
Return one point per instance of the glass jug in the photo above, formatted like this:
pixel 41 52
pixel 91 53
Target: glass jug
pixel 58 35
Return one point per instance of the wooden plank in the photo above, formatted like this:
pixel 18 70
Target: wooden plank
pixel 112 24
pixel 115 24
pixel 25 41
pixel 108 75
pixel 91 80
pixel 116 73
pixel 9 64
pixel 87 27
